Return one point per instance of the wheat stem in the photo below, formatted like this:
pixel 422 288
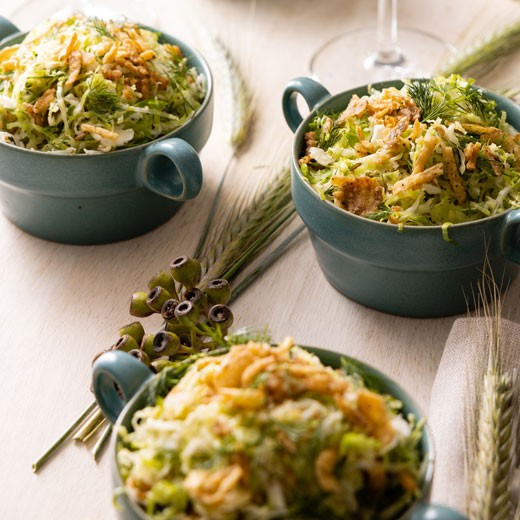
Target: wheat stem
pixel 266 262
pixel 61 441
pixel 267 236
pixel 213 210
pixel 255 227
pixel 100 445
pixel 89 426
pixel 478 57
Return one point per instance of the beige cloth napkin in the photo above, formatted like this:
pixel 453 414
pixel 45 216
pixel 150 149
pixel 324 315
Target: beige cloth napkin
pixel 465 353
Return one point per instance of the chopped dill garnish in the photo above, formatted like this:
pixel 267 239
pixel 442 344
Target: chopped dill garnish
pixel 381 215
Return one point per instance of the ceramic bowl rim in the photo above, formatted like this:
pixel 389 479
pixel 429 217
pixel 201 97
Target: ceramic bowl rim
pixel 203 68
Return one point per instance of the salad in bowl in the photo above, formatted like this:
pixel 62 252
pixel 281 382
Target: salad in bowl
pixel 433 152
pixel 86 85
pixel 270 432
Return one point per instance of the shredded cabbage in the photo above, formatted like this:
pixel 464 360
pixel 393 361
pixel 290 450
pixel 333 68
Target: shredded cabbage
pixel 434 152
pixel 87 85
pixel 269 432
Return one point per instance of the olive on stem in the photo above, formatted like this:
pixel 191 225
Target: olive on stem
pixel 126 343
pixel 168 309
pixel 147 345
pixel 141 356
pixel 197 297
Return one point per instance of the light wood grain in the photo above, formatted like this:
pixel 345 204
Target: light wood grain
pixel 60 305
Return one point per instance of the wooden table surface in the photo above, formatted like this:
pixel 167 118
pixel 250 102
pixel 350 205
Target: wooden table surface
pixel 61 304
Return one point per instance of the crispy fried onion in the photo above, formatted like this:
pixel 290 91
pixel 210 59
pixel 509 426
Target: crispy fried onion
pixel 453 174
pixel 361 195
pixel 391 106
pixel 213 488
pixel 418 179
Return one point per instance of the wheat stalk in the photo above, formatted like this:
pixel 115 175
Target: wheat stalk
pixel 239 112
pixel 490 485
pixel 478 58
pixel 491 428
pixel 243 238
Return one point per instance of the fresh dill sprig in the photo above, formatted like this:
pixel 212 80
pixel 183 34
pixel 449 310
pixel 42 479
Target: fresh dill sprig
pixel 101 28
pixel 100 98
pixel 450 99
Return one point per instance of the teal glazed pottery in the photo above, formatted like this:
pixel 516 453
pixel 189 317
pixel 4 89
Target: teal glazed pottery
pixel 106 197
pixel 133 378
pixel 415 272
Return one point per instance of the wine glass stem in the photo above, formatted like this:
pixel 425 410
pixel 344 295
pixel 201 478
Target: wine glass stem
pixel 388 53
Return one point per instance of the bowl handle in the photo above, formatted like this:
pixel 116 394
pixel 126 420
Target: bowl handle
pixel 313 93
pixel 510 243
pixel 435 512
pixel 121 369
pixel 7 28
pixel 171 168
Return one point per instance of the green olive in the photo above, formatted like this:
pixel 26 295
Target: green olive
pixel 141 356
pixel 163 279
pixel 147 345
pixel 197 297
pixel 126 343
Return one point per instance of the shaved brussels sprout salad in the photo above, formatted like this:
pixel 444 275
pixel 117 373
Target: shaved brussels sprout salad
pixel 434 152
pixel 265 432
pixel 85 85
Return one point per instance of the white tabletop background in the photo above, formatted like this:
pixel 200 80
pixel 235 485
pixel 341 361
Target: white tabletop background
pixel 60 304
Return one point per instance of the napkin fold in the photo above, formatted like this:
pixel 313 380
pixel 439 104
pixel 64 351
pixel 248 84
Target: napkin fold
pixel 464 358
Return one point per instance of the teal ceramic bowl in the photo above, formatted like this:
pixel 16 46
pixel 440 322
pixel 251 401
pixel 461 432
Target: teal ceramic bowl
pixel 133 378
pixel 94 199
pixel 415 272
